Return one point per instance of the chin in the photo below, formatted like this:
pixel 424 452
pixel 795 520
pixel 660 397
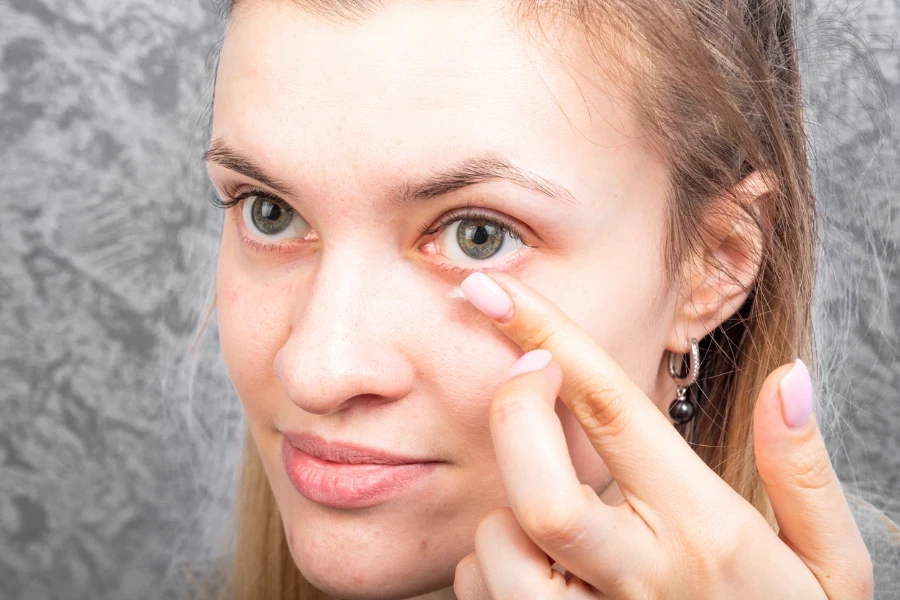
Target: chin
pixel 371 570
pixel 395 550
pixel 395 591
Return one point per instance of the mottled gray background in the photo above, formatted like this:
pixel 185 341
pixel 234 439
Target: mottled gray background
pixel 112 474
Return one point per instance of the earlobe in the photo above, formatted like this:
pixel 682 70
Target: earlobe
pixel 733 242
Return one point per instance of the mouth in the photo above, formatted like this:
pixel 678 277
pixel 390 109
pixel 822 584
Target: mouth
pixel 347 452
pixel 346 475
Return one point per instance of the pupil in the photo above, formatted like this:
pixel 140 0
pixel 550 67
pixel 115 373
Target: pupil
pixel 270 211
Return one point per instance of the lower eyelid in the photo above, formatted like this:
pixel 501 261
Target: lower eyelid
pixel 507 264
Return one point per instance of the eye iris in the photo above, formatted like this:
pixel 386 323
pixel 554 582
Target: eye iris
pixel 269 217
pixel 479 238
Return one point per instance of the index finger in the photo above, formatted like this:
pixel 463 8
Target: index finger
pixel 643 451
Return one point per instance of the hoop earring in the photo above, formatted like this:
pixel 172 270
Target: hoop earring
pixel 682 410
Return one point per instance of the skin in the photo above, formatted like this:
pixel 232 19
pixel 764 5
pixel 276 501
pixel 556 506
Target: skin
pixel 354 329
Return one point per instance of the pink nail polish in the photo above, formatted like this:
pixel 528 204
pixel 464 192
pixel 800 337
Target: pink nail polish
pixel 531 361
pixel 486 295
pixel 796 392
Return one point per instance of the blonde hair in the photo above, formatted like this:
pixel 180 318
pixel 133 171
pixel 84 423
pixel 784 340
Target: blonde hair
pixel 718 85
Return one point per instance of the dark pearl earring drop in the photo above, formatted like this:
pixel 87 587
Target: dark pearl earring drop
pixel 681 410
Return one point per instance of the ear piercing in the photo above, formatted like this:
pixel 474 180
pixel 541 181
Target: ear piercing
pixel 682 409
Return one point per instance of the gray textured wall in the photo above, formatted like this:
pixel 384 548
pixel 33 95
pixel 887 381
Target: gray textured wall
pixel 109 469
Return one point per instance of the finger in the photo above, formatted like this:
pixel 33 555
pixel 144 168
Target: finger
pixel 511 565
pixel 564 518
pixel 468 584
pixel 637 442
pixel 806 495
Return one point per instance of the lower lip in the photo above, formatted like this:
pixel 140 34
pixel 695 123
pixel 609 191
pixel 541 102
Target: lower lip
pixel 345 485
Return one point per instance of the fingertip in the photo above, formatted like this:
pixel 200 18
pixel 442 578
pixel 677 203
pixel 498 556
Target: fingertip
pixel 796 393
pixel 768 397
pixel 534 360
pixel 486 295
pixel 554 368
pixel 768 415
pixel 555 377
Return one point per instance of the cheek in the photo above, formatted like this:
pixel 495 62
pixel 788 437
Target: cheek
pixel 252 326
pixel 458 312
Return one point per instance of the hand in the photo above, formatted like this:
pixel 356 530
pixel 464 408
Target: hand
pixel 681 532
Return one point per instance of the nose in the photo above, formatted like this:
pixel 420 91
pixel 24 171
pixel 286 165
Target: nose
pixel 350 326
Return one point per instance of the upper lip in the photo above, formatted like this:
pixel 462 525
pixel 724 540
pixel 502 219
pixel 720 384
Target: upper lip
pixel 346 452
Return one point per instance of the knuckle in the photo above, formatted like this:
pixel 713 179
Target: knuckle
pixel 545 332
pixel 557 523
pixel 812 471
pixel 731 540
pixel 717 547
pixel 602 396
pixel 713 558
pixel 605 408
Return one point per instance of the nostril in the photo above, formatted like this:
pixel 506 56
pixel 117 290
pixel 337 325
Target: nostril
pixel 324 381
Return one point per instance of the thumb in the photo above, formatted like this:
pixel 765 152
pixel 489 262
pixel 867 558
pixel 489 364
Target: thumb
pixel 806 495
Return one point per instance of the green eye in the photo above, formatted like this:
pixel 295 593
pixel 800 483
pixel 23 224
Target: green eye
pixel 273 219
pixel 473 239
pixel 270 217
pixel 479 238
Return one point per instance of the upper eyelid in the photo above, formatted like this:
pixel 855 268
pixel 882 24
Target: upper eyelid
pixel 236 191
pixel 461 213
pixel 242 190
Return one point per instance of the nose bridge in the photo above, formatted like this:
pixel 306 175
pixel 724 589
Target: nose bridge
pixel 339 292
pixel 346 339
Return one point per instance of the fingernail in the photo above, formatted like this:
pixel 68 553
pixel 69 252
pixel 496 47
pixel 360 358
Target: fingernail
pixel 486 295
pixel 531 361
pixel 796 393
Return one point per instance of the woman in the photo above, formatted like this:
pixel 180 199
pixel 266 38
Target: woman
pixel 477 259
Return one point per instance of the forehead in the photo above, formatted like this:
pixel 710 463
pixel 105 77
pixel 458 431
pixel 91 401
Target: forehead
pixel 411 82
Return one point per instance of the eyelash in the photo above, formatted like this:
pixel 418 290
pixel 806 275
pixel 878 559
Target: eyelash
pixel 469 212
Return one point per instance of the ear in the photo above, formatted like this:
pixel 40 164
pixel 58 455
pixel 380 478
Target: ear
pixel 718 277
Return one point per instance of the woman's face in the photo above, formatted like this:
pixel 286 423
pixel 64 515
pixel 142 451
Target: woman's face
pixel 350 325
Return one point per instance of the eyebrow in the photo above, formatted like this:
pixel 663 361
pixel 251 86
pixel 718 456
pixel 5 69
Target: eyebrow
pixel 480 169
pixel 231 159
pixel 471 171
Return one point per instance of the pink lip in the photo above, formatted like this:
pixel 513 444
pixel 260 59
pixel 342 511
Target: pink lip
pixel 347 475
pixel 346 452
